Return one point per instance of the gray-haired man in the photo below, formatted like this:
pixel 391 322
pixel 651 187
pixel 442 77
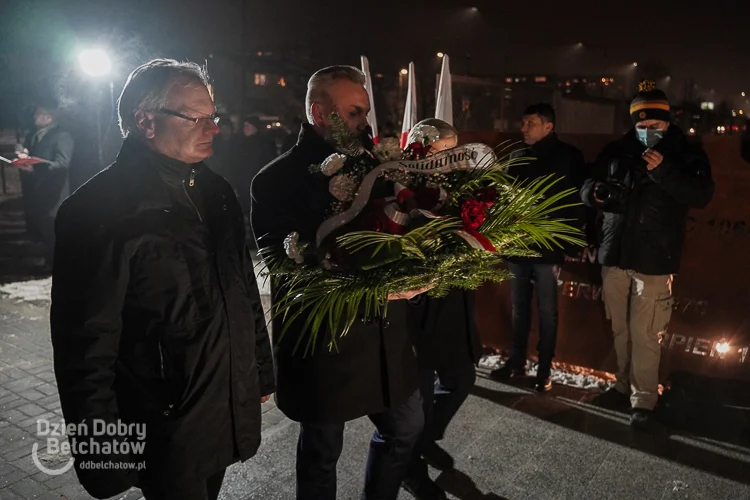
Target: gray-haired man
pixel 374 370
pixel 156 316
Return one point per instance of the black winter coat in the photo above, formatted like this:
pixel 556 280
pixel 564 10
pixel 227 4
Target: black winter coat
pixel 156 317
pixel 564 162
pixel 646 233
pixel 375 366
pixel 445 333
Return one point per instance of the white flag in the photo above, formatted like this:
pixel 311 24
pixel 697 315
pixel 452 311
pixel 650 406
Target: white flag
pixel 371 119
pixel 444 108
pixel 410 109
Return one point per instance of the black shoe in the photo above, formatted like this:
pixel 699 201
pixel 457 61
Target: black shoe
pixel 543 384
pixel 506 373
pixel 423 488
pixel 438 457
pixel 612 399
pixel 642 419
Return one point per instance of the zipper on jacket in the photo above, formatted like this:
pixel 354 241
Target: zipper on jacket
pixel 161 362
pixel 192 177
pixel 170 405
pixel 192 182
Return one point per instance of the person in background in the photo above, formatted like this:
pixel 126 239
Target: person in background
pixel 291 139
pixel 257 140
pixel 447 343
pixel 644 183
pixel 44 164
pixel 560 160
pixel 156 317
pixel 374 370
pixel 388 130
pixel 234 119
pixel 225 151
pixel 255 149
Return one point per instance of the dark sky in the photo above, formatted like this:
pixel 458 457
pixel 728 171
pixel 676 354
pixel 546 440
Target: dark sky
pixel 706 41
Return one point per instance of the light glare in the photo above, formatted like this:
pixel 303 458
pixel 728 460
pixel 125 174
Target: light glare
pixel 95 62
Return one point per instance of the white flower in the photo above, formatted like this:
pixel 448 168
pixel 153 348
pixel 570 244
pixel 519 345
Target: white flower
pixel 292 247
pixel 333 164
pixel 424 134
pixel 388 150
pixel 342 187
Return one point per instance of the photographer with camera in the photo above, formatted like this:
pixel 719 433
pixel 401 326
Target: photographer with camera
pixel 644 184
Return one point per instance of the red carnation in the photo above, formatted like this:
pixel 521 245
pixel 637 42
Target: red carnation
pixel 473 214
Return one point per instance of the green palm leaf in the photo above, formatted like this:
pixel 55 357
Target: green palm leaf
pixel 520 223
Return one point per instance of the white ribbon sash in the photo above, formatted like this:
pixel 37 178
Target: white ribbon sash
pixel 464 157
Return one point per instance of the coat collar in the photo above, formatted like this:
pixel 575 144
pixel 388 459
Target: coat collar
pixel 312 144
pixel 41 133
pixel 157 181
pixel 543 147
pixel 146 162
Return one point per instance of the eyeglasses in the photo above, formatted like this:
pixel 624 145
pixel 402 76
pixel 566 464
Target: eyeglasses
pixel 214 118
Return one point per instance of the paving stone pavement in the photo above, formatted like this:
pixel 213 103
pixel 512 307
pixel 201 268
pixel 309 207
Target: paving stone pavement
pixel 509 443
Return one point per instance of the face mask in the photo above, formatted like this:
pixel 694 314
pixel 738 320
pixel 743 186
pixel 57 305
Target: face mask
pixel 649 137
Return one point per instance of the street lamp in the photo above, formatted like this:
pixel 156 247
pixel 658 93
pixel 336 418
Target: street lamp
pixel 635 64
pixel 743 94
pixel 440 54
pixel 96 63
pixel 404 71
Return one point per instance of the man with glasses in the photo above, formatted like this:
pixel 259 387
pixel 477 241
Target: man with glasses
pixel 156 317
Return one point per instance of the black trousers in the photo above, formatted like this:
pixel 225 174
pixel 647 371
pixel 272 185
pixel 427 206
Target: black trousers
pixel 526 278
pixel 39 215
pixel 183 488
pixel 320 445
pixel 441 400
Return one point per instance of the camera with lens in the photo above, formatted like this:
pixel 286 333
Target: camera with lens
pixel 614 191
pixel 611 191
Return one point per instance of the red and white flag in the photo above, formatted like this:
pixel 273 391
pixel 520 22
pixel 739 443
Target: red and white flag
pixel 371 119
pixel 410 109
pixel 444 108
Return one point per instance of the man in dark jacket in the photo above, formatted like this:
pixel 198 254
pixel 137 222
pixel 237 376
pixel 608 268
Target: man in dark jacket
pixel 645 183
pixel 156 316
pixel 45 184
pixel 552 157
pixel 373 372
pixel 448 345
